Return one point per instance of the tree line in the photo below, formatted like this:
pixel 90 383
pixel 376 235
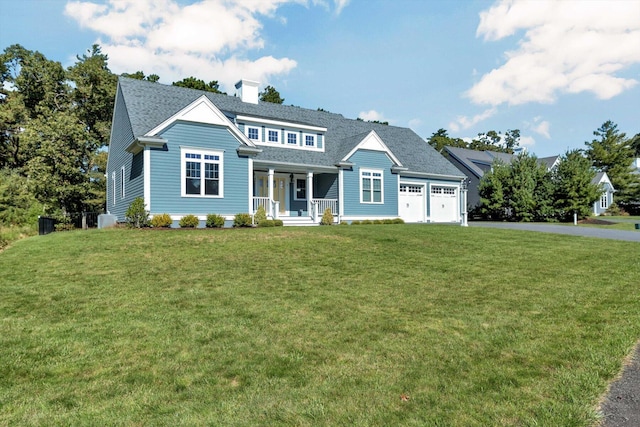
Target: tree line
pixel 524 190
pixel 55 125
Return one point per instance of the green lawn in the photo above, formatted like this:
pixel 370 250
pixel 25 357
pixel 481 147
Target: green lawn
pixel 381 325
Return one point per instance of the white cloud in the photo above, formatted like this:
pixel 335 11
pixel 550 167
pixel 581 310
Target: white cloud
pixel 463 122
pixel 415 123
pixel 210 40
pixel 567 47
pixel 527 141
pixel 542 128
pixel 340 4
pixel 372 115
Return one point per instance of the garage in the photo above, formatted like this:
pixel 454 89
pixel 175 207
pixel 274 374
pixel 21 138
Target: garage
pixel 411 202
pixel 443 204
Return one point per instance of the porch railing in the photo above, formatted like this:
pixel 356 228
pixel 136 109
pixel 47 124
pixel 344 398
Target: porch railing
pixel 271 208
pixel 323 204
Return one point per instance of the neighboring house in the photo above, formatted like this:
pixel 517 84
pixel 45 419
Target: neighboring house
pixel 606 199
pixel 476 163
pixel 192 152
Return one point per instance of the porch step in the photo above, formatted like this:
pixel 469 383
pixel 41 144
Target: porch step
pixel 298 221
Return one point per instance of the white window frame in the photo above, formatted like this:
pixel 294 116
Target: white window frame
pixel 371 177
pixel 604 201
pixel 295 188
pixel 122 183
pixel 295 135
pixel 268 136
pixel 312 137
pixel 113 178
pixel 247 128
pixel 203 161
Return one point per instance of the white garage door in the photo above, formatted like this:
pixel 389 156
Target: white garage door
pixel 411 203
pixel 444 204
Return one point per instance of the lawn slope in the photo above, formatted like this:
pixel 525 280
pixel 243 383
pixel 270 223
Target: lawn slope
pixel 344 325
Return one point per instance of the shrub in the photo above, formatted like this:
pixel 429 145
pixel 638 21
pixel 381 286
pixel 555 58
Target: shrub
pixel 344 223
pixel 266 223
pixel 189 221
pixel 387 221
pixel 366 222
pixel 615 210
pixel 64 223
pixel 398 221
pixel 242 220
pixel 327 217
pixel 260 215
pixel 356 222
pixel 161 221
pixel 215 221
pixel 137 216
pixel 278 222
pixel 378 221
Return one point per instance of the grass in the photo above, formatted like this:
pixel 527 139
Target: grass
pixel 371 325
pixel 9 234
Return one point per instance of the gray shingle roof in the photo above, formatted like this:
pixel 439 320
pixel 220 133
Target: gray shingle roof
pixel 149 104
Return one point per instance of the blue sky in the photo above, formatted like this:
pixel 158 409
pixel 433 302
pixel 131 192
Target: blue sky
pixel 554 70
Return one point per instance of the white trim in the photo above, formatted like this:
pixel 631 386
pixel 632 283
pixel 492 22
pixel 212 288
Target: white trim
pixel 146 173
pixel 123 174
pixel 286 139
pixel 279 123
pixel 299 166
pixel 341 192
pixel 373 142
pixel 250 186
pixel 202 110
pixel 113 190
pixel 202 161
pixel 372 178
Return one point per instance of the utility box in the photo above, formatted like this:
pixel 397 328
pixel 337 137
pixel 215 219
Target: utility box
pixel 107 220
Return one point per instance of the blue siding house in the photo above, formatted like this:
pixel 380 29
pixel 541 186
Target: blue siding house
pixel 186 151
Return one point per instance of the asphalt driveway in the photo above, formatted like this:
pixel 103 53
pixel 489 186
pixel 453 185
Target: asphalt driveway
pixel 598 232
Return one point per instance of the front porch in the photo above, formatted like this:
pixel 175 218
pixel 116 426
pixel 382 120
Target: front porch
pixel 285 195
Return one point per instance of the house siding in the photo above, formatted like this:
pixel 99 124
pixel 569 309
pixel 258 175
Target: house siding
pixel 367 159
pixel 121 137
pixel 166 172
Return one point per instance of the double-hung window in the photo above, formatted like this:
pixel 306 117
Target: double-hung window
pixel 371 184
pixel 301 189
pixel 292 138
pixel 202 173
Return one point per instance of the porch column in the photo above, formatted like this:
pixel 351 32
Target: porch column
pixel 309 192
pixel 270 187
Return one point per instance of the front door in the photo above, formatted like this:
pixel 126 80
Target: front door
pixel 279 190
pixel 280 193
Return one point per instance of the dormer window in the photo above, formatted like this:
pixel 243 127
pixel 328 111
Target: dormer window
pixel 253 133
pixel 292 138
pixel 309 140
pixel 273 136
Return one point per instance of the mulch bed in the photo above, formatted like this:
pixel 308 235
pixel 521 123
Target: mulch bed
pixel 595 221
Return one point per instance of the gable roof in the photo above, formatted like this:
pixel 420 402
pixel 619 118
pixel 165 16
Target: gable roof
pixel 150 104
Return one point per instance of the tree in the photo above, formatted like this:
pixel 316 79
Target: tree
pixel 139 75
pixel 519 191
pixel 492 189
pixel 93 94
pixel 194 83
pixel 574 191
pixel 611 152
pixel 439 139
pixel 635 144
pixel 270 94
